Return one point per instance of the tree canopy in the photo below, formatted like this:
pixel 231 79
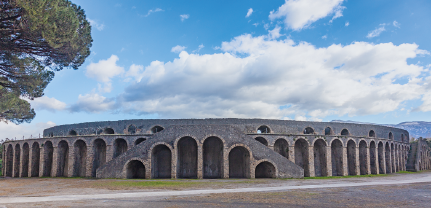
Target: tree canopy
pixel 37 38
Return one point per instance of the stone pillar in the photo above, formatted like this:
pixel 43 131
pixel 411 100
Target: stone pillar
pixel 21 158
pixel 292 154
pixel 30 160
pixel 200 161
pixel 328 161
pixel 89 161
pixel 110 152
pixel 311 161
pixel 54 161
pixel 13 161
pixel 368 160
pixel 71 161
pixel 357 164
pixel 345 166
pixel 225 163
pixel 41 160
pixel 384 160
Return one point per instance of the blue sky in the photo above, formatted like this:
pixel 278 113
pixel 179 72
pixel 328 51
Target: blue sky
pixel 318 60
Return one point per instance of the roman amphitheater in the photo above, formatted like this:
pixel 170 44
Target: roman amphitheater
pixel 210 148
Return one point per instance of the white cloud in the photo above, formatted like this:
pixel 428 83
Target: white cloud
pixel 184 17
pixel 256 24
pixel 12 131
pixel 249 12
pixel 347 24
pixel 46 103
pixel 104 70
pixel 97 25
pixel 153 11
pixel 324 37
pixel 199 48
pixel 92 103
pixel 396 24
pixel 376 32
pixel 135 71
pixel 257 76
pixel 299 14
pixel 178 48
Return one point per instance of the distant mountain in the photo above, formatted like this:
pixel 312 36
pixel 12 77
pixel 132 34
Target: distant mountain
pixel 415 128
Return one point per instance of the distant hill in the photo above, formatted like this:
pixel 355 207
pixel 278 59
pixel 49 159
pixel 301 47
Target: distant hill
pixel 416 128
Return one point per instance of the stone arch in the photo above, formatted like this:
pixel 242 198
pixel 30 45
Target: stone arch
pixel 120 147
pixel 156 129
pixel 391 136
pixel 345 132
pixel 308 130
pixel 99 155
pixel 139 140
pixel 48 153
pixel 80 158
pixel 72 133
pixel 9 160
pixel 264 129
pixel 301 155
pixel 388 157
pixel 213 157
pixel 320 166
pixel 381 155
pixel 108 130
pixel 135 169
pixel 363 157
pixel 17 160
pixel 63 159
pixel 131 129
pixel 281 146
pixel 262 140
pixel 239 162
pixel 161 161
pixel 329 131
pixel 351 157
pixel 25 159
pixel 371 133
pixel 337 157
pixel 373 157
pixel 187 157
pixel 265 169
pixel 35 159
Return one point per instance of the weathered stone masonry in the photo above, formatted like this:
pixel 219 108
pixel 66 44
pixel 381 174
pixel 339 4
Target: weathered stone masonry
pixel 210 148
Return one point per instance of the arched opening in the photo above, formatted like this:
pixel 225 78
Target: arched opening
pixel 9 161
pixel 108 131
pixel 25 159
pixel 393 158
pixel 156 129
pixel 402 138
pixel 263 130
pixel 213 157
pixel 72 133
pixel 308 130
pixel 131 129
pixel 282 147
pixel 35 159
pixel 391 136
pixel 388 158
pixel 17 160
pixel 371 133
pixel 99 157
pixel 262 140
pixel 345 132
pixel 373 158
pixel 239 163
pixel 351 157
pixel 161 158
pixel 337 157
pixel 48 151
pixel 320 167
pixel 80 162
pixel 329 131
pixel 120 147
pixel 363 158
pixel 301 155
pixel 265 170
pixel 187 158
pixel 135 169
pixel 381 158
pixel 63 159
pixel 140 140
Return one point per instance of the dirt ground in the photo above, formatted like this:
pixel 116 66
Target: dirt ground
pixel 406 195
